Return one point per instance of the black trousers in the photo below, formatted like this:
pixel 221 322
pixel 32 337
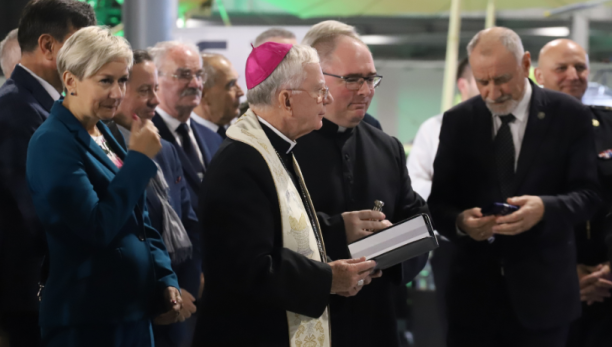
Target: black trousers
pixel 502 329
pixel 440 266
pixel 21 327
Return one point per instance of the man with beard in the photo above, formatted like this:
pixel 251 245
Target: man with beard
pixel 564 66
pixel 513 281
pixel 347 165
pixel 220 96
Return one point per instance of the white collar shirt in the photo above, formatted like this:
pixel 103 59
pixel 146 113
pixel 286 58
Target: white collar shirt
pixel 53 93
pixel 517 128
pixel 282 136
pixel 173 124
pixel 205 122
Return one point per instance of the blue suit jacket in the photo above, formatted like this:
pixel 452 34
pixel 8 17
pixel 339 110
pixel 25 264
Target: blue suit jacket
pixel 107 264
pixel 24 105
pixel 208 142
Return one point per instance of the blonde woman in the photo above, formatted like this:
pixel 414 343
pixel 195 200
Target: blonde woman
pixel 109 271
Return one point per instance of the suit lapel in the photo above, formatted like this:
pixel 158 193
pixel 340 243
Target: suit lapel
pixel 200 140
pixel 27 81
pixel 164 132
pixel 538 124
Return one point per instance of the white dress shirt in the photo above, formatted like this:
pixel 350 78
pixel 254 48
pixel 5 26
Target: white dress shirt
pixel 173 124
pixel 282 136
pixel 53 93
pixel 422 155
pixel 517 128
pixel 205 122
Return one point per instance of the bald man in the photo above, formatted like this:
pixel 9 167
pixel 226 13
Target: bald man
pixel 220 96
pixel 563 66
pixel 513 278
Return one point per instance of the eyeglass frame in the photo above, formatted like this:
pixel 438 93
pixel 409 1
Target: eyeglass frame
pixel 361 81
pixel 201 78
pixel 320 97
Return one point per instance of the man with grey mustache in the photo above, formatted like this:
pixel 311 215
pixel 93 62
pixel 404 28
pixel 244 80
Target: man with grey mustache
pixel 181 80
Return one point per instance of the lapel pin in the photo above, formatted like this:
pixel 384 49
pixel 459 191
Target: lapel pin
pixel 595 123
pixel 541 115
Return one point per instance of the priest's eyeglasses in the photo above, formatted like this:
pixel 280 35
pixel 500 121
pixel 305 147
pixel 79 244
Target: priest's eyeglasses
pixel 322 94
pixel 356 82
pixel 186 75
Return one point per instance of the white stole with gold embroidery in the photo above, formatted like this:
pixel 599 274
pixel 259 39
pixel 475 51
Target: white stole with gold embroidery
pixel 298 234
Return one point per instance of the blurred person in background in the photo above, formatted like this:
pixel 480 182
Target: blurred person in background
pixel 278 35
pixel 10 53
pixel 513 277
pixel 220 96
pixel 25 102
pixel 564 66
pixel 168 199
pixel 347 165
pixel 420 169
pixel 109 272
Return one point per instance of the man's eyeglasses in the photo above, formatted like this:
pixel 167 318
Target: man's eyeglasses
pixel 186 76
pixel 356 82
pixel 322 94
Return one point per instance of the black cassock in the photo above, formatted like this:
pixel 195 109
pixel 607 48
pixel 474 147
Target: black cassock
pixel 251 280
pixel 347 172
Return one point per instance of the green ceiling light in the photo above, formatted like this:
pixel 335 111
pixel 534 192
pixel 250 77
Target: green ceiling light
pixel 223 13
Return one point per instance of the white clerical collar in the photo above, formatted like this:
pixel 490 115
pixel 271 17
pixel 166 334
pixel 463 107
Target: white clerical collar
pixel 282 136
pixel 521 112
pixel 170 121
pixel 53 93
pixel 205 122
pixel 341 129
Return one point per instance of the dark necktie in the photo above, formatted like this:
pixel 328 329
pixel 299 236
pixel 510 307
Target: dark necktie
pixel 189 149
pixel 221 132
pixel 504 156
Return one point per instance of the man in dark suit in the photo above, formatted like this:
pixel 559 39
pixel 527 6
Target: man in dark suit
pixel 564 66
pixel 347 165
pixel 180 91
pixel 141 99
pixel 513 281
pixel 25 101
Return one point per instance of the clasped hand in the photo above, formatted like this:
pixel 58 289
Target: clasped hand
pixel 480 228
pixel 594 282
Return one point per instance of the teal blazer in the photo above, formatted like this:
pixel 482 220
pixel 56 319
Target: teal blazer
pixel 107 264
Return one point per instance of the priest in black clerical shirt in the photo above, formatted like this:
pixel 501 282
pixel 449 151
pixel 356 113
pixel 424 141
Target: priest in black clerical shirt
pixel 347 165
pixel 268 277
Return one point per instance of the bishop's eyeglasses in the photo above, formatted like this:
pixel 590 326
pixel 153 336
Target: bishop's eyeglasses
pixel 356 82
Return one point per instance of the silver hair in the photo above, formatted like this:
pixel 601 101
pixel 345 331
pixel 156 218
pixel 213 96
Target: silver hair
pixel 89 49
pixel 508 38
pixel 322 37
pixel 289 74
pixel 10 52
pixel 161 50
pixel 209 69
pixel 273 32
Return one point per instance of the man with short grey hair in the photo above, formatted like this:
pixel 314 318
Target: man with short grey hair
pixel 221 94
pixel 513 278
pixel 278 35
pixel 10 53
pixel 268 277
pixel 347 165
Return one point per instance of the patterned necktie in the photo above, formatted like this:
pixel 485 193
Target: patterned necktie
pixel 189 149
pixel 221 132
pixel 504 156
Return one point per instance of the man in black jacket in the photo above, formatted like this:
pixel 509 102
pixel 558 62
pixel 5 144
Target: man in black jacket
pixel 25 101
pixel 564 66
pixel 347 165
pixel 513 280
